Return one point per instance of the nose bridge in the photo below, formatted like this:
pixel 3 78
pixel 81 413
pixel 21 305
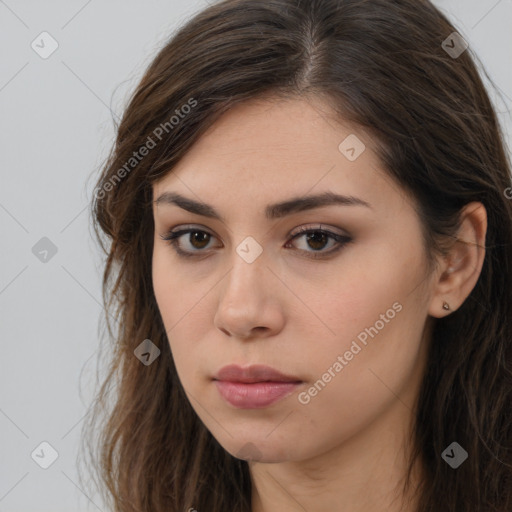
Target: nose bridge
pixel 244 300
pixel 248 268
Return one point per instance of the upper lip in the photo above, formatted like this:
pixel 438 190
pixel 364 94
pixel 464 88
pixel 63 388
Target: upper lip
pixel 253 373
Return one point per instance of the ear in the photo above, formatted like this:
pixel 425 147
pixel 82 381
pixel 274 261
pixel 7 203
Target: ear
pixel 459 271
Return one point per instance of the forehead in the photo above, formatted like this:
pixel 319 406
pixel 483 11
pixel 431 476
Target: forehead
pixel 275 149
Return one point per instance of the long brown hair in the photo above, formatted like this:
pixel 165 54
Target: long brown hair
pixel 384 66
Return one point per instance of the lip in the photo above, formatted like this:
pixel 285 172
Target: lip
pixel 254 387
pixel 253 373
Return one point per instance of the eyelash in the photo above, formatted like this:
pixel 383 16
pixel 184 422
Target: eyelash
pixel 341 240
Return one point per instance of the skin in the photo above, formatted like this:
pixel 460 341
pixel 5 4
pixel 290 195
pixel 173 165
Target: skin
pixel 346 448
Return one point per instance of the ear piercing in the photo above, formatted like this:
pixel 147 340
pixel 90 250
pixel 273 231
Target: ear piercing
pixel 446 306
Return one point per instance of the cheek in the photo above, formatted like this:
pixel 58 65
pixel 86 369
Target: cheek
pixel 174 290
pixel 181 303
pixel 351 302
pixel 353 383
pixel 388 273
pixel 372 320
pixel 163 284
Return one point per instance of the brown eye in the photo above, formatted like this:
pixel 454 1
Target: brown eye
pixel 195 243
pixel 202 238
pixel 318 239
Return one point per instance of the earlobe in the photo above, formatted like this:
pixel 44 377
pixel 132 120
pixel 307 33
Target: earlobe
pixel 461 268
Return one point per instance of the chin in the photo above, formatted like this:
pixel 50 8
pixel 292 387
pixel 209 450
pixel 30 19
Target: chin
pixel 258 450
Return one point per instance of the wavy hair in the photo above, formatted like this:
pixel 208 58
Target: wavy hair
pixel 381 65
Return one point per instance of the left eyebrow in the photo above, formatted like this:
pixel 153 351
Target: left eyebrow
pixel 272 211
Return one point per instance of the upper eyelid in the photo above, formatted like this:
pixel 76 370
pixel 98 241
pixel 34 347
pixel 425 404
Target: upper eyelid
pixel 295 231
pixel 174 234
pixel 341 240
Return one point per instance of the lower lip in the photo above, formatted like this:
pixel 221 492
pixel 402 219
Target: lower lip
pixel 254 395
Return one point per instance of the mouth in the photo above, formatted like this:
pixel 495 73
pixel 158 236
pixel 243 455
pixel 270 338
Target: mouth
pixel 254 387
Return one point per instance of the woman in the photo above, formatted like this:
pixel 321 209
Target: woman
pixel 309 244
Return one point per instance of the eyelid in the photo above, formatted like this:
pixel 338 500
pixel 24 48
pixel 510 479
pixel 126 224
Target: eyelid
pixel 291 234
pixel 316 227
pixel 341 240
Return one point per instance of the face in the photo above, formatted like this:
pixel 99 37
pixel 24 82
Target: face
pixel 333 295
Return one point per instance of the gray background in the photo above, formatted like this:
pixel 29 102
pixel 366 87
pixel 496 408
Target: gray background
pixel 56 130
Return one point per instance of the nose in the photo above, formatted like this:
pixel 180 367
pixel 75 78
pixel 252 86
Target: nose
pixel 250 302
